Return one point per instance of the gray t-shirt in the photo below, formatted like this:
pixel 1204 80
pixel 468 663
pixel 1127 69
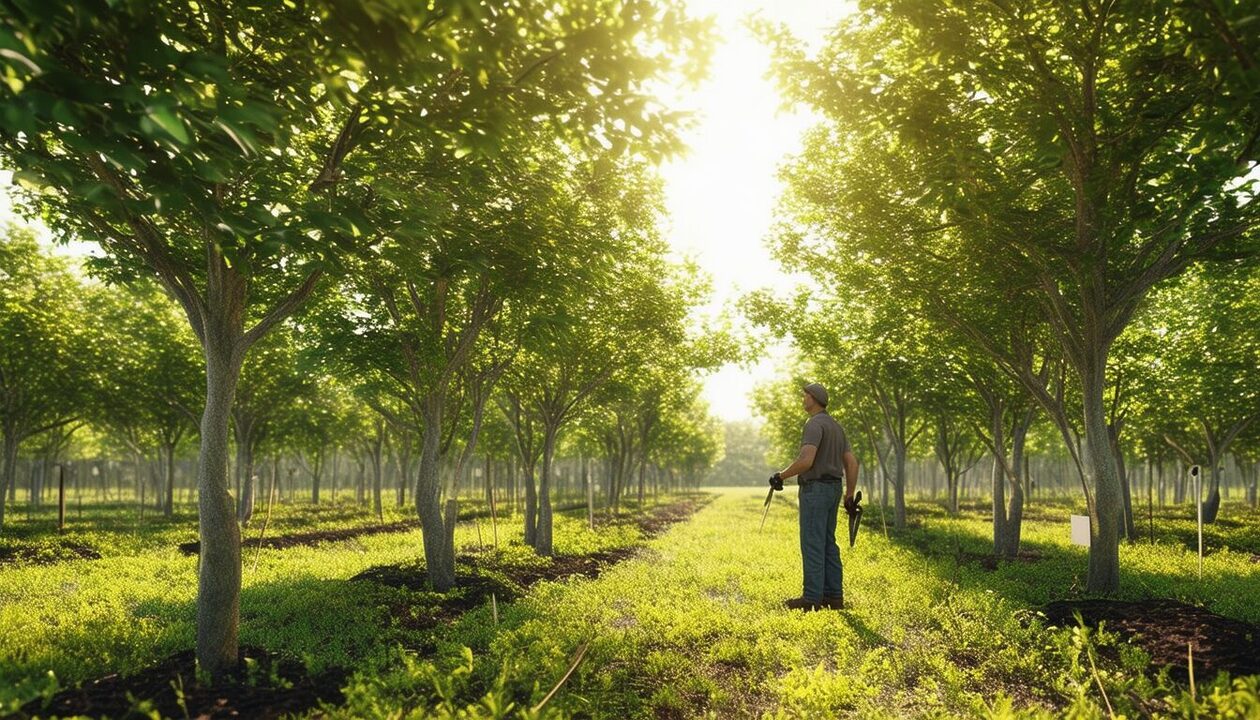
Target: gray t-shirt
pixel 823 432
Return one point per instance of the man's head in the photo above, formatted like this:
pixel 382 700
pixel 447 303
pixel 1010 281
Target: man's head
pixel 815 398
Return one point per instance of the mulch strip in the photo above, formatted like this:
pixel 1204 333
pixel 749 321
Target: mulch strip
pixel 1165 629
pixel 49 553
pixel 272 688
pixel 475 586
pixel 658 519
pixel 281 542
pixel 661 518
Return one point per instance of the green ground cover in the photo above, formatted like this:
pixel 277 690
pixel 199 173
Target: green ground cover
pixel 690 626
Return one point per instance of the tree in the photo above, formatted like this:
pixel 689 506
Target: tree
pixel 743 461
pixel 688 439
pixel 1081 154
pixel 1206 349
pixel 277 394
pixel 952 408
pixel 204 145
pixel 48 351
pixel 148 373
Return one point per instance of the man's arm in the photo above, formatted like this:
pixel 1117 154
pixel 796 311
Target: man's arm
pixel 850 474
pixel 804 461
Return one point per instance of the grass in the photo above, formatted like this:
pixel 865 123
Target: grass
pixel 690 627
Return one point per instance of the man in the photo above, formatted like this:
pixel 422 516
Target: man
pixel 825 453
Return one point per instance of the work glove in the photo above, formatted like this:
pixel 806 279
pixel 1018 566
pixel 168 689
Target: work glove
pixel 851 505
pixel 776 482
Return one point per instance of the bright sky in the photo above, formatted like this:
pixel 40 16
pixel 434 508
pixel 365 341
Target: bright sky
pixel 722 194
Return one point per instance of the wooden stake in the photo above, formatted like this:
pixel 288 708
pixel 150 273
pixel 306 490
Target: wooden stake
pixel 1190 665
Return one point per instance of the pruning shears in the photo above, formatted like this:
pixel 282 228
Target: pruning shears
pixel 770 496
pixel 854 509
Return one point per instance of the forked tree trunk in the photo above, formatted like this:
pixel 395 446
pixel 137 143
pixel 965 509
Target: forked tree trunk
pixel 1218 445
pixel 428 496
pixel 1101 474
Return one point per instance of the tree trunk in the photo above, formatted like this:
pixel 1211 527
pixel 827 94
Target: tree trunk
pixel 1253 490
pixel 1101 473
pixel 245 471
pixel 531 504
pixel 219 572
pixel 899 485
pixel 7 478
pixel 404 469
pixel 168 508
pixel 542 540
pixel 1126 515
pixel 1159 472
pixel 1013 529
pixel 998 478
pixel 642 472
pixel 1212 503
pixel 428 496
pixel 377 473
pixel 588 483
pixel 1179 485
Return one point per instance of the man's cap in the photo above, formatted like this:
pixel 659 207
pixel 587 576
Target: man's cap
pixel 818 392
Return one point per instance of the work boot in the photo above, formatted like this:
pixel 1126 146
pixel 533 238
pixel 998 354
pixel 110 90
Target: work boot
pixel 800 603
pixel 835 602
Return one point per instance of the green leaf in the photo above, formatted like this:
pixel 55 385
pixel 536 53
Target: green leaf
pixel 166 119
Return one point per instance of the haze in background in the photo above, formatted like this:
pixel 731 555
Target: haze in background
pixel 721 196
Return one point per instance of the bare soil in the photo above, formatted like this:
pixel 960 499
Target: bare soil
pixel 281 542
pixel 270 688
pixel 1167 628
pixel 47 553
pixel 315 537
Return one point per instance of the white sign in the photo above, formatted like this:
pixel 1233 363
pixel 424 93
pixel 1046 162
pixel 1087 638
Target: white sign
pixel 1080 530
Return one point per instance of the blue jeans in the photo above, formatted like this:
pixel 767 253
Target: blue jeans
pixel 820 556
